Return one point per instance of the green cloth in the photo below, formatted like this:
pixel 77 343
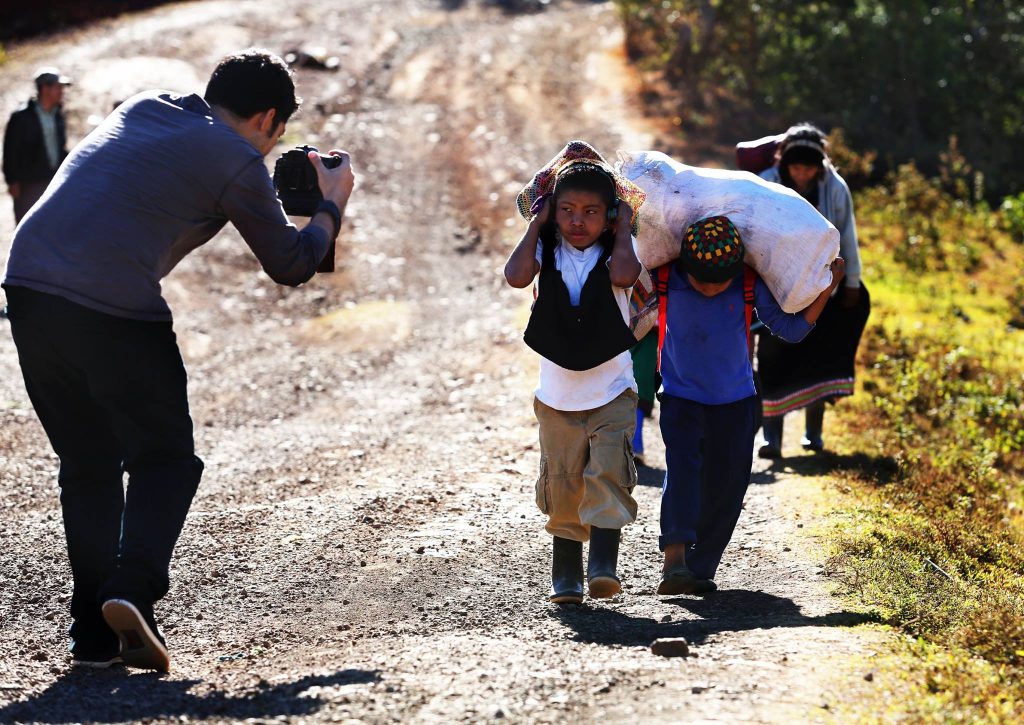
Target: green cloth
pixel 645 366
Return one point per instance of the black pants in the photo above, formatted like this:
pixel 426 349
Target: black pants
pixel 708 456
pixel 111 395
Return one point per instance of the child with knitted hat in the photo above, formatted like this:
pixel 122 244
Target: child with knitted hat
pixel 579 243
pixel 708 405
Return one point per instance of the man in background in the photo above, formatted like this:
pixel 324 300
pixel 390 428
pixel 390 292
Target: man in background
pixel 35 142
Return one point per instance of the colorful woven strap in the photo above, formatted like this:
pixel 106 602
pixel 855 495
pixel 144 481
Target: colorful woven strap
pixel 543 181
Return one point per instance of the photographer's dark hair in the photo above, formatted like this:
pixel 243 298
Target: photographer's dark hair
pixel 581 176
pixel 252 82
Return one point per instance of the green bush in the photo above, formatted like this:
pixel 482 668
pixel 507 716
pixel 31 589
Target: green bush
pixel 933 386
pixel 1012 210
pixel 937 548
pixel 900 76
pixel 928 228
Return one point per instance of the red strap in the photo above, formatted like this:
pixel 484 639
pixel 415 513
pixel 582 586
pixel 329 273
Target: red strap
pixel 749 278
pixel 661 285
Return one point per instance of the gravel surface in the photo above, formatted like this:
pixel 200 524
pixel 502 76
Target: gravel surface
pixel 364 545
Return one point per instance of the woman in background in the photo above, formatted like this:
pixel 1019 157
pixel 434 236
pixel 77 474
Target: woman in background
pixel 819 369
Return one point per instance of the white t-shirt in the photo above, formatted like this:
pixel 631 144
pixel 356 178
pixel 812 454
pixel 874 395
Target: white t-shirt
pixel 564 389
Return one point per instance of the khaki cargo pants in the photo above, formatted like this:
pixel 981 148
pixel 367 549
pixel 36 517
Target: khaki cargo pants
pixel 587 474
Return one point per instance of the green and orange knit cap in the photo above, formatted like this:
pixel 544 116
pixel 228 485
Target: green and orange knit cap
pixel 712 250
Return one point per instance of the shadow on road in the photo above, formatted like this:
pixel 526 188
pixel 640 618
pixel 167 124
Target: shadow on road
pixel 114 695
pixel 722 611
pixel 880 470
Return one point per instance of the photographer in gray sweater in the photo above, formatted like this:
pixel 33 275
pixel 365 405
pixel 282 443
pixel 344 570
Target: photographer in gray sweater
pixel 157 179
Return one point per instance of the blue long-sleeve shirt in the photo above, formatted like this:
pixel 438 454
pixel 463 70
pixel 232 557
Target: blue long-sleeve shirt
pixel 158 178
pixel 705 356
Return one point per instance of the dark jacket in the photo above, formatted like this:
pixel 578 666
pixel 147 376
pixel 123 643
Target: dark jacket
pixel 25 156
pixel 576 337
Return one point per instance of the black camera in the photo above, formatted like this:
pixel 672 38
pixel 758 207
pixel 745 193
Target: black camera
pixel 296 183
pixel 299 190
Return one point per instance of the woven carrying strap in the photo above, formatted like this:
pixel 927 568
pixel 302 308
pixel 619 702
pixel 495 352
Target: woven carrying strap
pixel 749 279
pixel 543 181
pixel 643 305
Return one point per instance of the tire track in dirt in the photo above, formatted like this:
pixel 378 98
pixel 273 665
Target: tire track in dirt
pixel 364 545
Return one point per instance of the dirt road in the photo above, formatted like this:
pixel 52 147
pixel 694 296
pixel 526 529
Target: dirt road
pixel 364 545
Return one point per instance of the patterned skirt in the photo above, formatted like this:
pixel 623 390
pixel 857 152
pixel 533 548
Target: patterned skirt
pixel 821 367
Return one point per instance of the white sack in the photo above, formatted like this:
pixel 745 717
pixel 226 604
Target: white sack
pixel 787 241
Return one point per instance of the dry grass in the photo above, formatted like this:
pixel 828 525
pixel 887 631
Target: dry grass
pixel 936 545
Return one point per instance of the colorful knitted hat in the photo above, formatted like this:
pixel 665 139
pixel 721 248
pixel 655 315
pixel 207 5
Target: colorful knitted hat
pixel 712 250
pixel 543 181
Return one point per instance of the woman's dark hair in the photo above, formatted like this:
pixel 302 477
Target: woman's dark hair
pixel 252 82
pixel 803 144
pixel 581 176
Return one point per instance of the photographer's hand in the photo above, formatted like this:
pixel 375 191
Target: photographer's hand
pixel 335 184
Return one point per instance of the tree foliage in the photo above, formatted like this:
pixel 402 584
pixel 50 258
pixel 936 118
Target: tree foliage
pixel 901 76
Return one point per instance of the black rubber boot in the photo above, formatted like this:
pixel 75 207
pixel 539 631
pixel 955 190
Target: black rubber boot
pixel 601 565
pixel 566 571
pixel 772 429
pixel 813 419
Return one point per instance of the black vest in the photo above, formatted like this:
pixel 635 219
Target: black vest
pixel 581 337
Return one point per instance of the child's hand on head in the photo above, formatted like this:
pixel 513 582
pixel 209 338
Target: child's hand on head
pixel 541 209
pixel 624 219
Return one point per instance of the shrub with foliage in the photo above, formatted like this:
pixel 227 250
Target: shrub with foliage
pixel 900 76
pixel 938 547
pixel 929 229
pixel 1013 215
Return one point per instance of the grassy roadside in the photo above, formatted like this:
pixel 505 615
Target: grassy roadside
pixel 928 459
pixel 933 536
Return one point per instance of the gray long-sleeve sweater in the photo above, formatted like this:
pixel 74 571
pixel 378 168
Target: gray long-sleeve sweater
pixel 157 179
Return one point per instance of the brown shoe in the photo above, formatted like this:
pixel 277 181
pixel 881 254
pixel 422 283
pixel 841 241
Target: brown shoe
pixel 680 580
